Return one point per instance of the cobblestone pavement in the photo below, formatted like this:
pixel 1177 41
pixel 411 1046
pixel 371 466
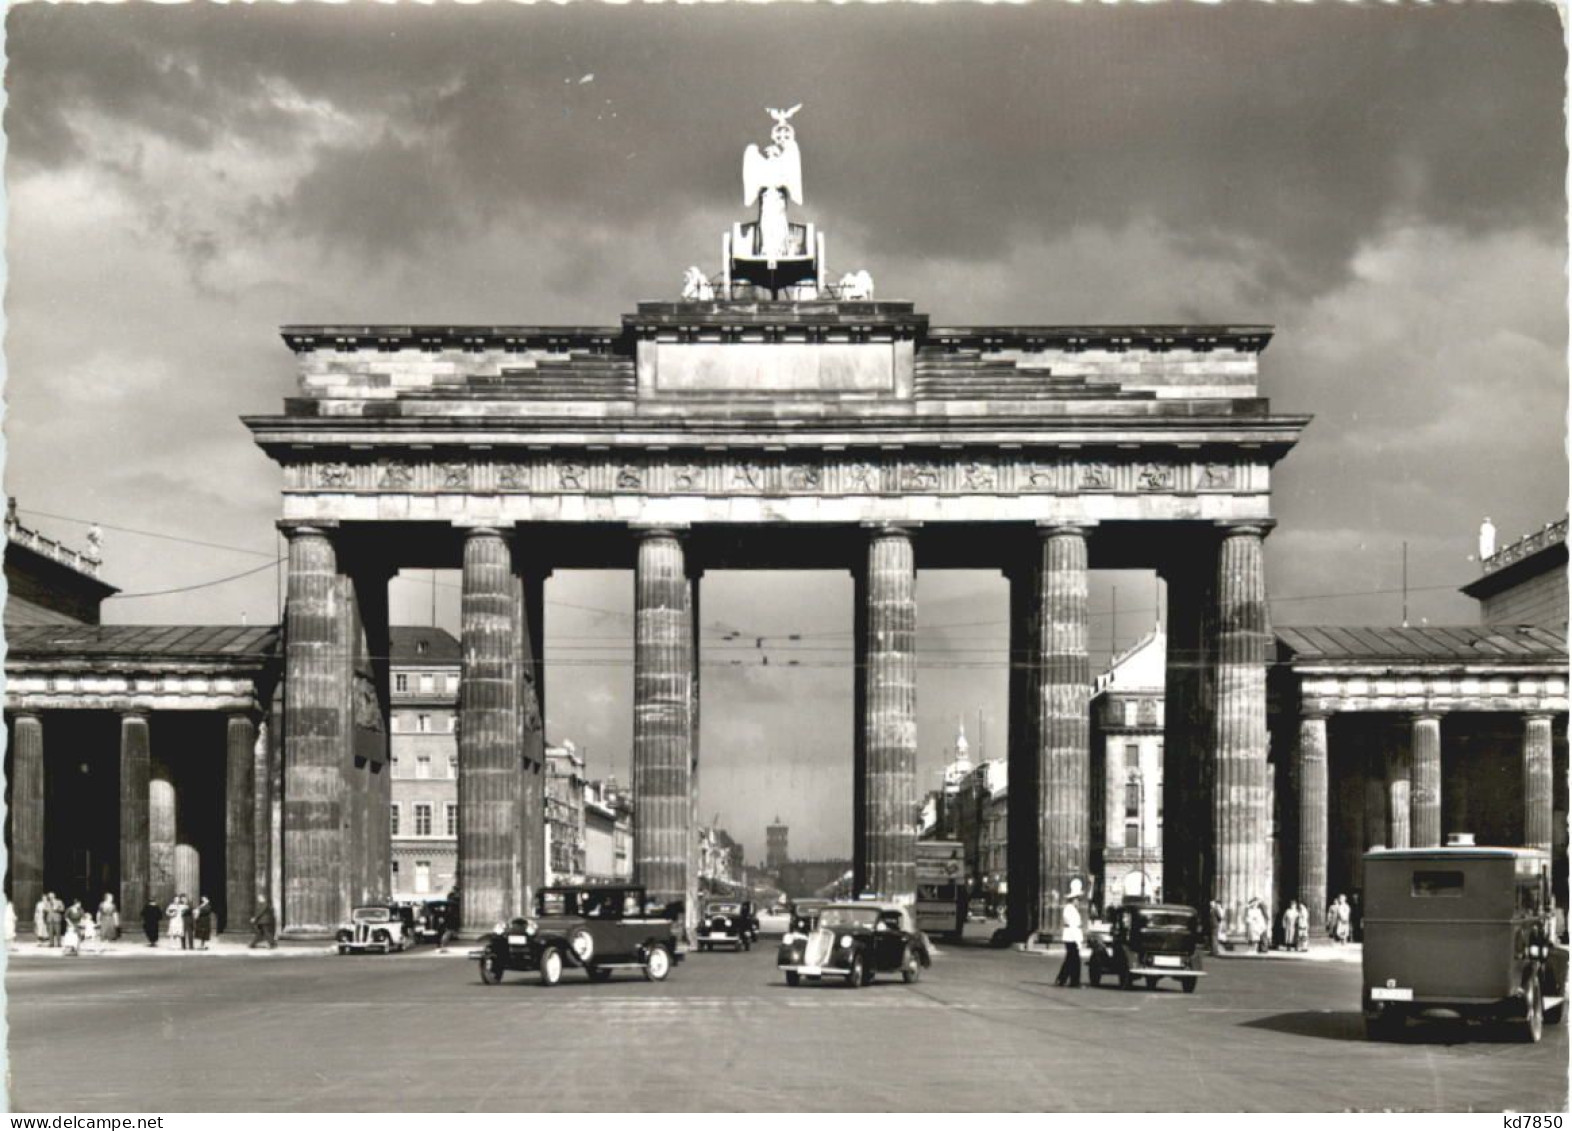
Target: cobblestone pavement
pixel 985 1029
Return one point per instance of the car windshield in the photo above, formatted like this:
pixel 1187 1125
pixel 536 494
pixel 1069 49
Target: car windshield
pixel 848 916
pixel 1164 920
pixel 723 909
pixel 371 915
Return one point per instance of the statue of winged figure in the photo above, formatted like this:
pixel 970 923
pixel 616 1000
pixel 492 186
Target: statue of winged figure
pixel 769 179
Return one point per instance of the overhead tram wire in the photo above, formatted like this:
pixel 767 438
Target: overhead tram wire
pixel 199 585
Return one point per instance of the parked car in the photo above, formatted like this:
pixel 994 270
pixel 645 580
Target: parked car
pixel 1462 931
pixel 1147 940
pixel 730 922
pixel 599 929
pixel 856 941
pixel 436 920
pixel 804 915
pixel 380 927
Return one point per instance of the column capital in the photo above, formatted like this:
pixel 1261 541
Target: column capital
pixel 142 713
pixel 1048 527
pixel 644 531
pixel 1547 716
pixel 891 529
pixel 302 528
pixel 21 713
pixel 484 529
pixel 1245 527
pixel 1430 714
pixel 1317 712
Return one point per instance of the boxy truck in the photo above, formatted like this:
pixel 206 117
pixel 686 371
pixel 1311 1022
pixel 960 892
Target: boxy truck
pixel 941 887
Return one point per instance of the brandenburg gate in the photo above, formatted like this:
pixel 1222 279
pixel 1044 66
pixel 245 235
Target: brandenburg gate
pixel 772 420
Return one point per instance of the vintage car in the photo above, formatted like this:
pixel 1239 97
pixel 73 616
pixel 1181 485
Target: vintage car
pixel 436 920
pixel 728 922
pixel 804 915
pixel 855 941
pixel 1147 940
pixel 1460 931
pixel 598 929
pixel 382 927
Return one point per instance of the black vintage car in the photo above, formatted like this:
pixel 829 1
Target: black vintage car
pixel 436 920
pixel 804 915
pixel 728 922
pixel 1151 941
pixel 854 942
pixel 599 929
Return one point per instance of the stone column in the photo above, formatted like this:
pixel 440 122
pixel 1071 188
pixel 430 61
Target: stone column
pixel 1241 791
pixel 890 723
pixel 491 768
pixel 1311 768
pixel 161 832
pixel 27 814
pixel 240 850
pixel 1398 789
pixel 1062 699
pixel 859 726
pixel 662 719
pixel 1424 791
pixel 1190 700
pixel 1537 793
pixel 317 674
pixel 691 900
pixel 1022 904
pixel 135 756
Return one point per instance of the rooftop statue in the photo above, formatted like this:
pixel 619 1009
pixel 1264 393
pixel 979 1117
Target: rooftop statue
pixel 769 179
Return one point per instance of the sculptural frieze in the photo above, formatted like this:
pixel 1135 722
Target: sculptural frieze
pixel 571 475
pixel 1097 476
pixel 804 477
pixel 1042 476
pixel 977 476
pixel 921 476
pixel 1155 477
pixel 397 476
pixel 748 474
pixel 455 474
pixel 513 476
pixel 334 474
pixel 686 476
pixel 629 478
pixel 1217 475
pixel 863 477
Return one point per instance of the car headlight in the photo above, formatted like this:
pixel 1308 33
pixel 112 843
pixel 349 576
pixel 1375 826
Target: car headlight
pixel 501 928
pixel 788 938
pixel 530 927
pixel 845 941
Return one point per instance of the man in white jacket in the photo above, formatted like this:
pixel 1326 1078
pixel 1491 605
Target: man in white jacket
pixel 1070 915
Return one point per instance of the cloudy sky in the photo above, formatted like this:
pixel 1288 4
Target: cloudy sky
pixel 1384 184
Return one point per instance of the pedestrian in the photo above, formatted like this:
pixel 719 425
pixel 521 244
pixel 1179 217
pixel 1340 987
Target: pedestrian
pixel 203 922
pixel 152 920
pixel 1342 920
pixel 188 941
pixel 1291 926
pixel 265 924
pixel 1219 929
pixel 1070 970
pixel 177 914
pixel 41 920
pixel 90 936
pixel 1302 939
pixel 108 919
pixel 1255 925
pixel 56 919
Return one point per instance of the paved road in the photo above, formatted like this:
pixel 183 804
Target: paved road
pixel 983 1030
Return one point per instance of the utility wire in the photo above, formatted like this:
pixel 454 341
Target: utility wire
pixel 200 585
pixel 147 533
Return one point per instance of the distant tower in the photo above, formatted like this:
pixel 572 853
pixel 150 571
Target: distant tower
pixel 775 841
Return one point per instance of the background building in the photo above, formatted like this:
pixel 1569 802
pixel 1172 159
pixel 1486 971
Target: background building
pixel 608 833
pixel 775 851
pixel 423 747
pixel 48 581
pixel 1525 582
pixel 565 792
pixel 1127 772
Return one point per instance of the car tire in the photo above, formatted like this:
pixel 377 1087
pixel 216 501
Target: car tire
pixel 1189 984
pixel 1533 1012
pixel 343 950
pixel 490 969
pixel 551 966
pixel 792 977
pixel 657 964
pixel 582 944
pixel 855 978
pixel 911 966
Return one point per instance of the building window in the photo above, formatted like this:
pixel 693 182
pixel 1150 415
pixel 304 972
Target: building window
pixel 393 823
pixel 401 683
pixel 422 820
pixel 423 724
pixel 423 766
pixel 395 722
pixel 428 684
pixel 1132 797
pixel 422 876
pixel 395 875
pixel 393 764
pixel 1131 713
pixel 453 685
pixel 452 765
pixel 452 723
pixel 452 819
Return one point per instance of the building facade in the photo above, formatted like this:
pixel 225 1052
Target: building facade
pixel 1525 582
pixel 424 751
pixel 566 846
pixel 608 833
pixel 49 582
pixel 1127 772
pixel 776 851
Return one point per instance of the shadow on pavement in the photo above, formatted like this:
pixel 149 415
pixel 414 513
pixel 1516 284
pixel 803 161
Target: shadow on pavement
pixel 1350 1026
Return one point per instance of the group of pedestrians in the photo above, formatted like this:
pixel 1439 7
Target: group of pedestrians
pixel 188 927
pixel 70 927
pixel 1340 920
pixel 1256 929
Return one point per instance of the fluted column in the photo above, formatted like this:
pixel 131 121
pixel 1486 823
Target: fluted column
pixel 135 755
pixel 1063 700
pixel 1311 759
pixel 662 719
pixel 162 875
pixel 1398 788
pixel 1424 792
pixel 27 814
pixel 490 778
pixel 890 723
pixel 1241 788
pixel 239 820
pixel 1537 794
pixel 317 672
pixel 532 719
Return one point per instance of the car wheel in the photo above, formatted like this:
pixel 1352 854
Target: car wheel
pixel 551 967
pixel 911 966
pixel 491 968
pixel 582 943
pixel 1189 984
pixel 657 965
pixel 792 977
pixel 855 978
pixel 1534 1012
pixel 343 950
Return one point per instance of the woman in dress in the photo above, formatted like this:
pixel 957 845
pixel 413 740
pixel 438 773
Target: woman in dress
pixel 108 919
pixel 41 920
pixel 203 927
pixel 177 920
